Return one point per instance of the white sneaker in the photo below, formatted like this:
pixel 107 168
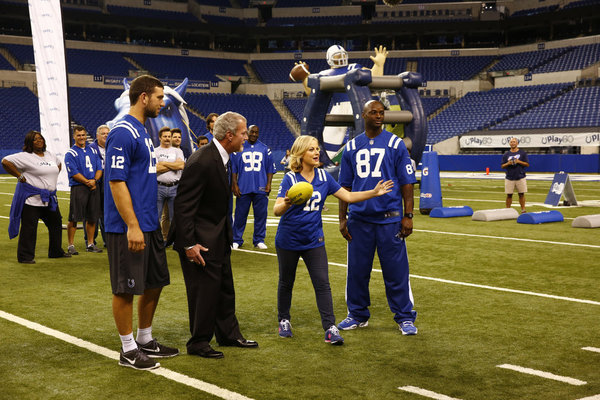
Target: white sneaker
pixel 235 246
pixel 261 246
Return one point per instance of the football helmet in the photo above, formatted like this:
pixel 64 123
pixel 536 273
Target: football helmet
pixel 337 56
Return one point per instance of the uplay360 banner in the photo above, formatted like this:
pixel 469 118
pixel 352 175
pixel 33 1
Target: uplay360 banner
pixel 534 140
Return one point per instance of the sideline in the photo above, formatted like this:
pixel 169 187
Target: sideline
pixel 94 348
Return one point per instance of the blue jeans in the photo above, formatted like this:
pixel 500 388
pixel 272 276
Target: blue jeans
pixel 166 194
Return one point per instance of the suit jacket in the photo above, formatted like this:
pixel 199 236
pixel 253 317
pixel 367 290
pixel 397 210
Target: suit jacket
pixel 202 205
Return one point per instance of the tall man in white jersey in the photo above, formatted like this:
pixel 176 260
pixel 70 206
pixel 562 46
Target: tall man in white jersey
pixel 136 254
pixel 380 223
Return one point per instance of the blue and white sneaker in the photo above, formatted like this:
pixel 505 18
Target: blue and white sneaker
pixel 408 328
pixel 285 328
pixel 351 323
pixel 332 335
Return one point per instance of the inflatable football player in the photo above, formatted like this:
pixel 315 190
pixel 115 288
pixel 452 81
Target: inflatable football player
pixel 337 58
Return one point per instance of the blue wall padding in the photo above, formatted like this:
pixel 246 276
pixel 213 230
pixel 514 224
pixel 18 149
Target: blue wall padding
pixel 431 189
pixel 540 217
pixel 449 212
pixel 570 163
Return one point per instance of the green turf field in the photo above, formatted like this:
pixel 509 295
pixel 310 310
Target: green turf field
pixel 484 298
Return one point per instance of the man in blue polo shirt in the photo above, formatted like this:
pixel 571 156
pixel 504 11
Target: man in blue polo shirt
pixel 252 172
pixel 84 168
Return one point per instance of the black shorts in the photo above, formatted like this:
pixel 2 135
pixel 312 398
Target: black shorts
pixel 84 204
pixel 133 273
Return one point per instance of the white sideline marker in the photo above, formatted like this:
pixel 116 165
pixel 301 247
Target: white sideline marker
pixel 595 397
pixel 114 355
pixel 543 374
pixel 426 393
pixel 594 349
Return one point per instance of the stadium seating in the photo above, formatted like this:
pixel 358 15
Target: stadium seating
pixel 140 12
pixel 94 62
pixel 482 110
pixel 5 65
pixel 576 108
pixel 222 20
pixel 315 21
pixel 193 68
pixel 19 113
pixel 578 58
pixel 451 68
pixel 92 107
pixel 217 3
pixel 23 53
pixel 529 59
pixel 582 3
pixel 534 11
pixel 307 3
pixel 257 109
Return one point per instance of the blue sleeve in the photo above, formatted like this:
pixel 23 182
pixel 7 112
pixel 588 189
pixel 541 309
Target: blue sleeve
pixel 71 164
pixel 235 159
pixel 404 169
pixel 346 171
pixel 269 164
pixel 524 157
pixel 286 184
pixel 119 152
pixel 333 186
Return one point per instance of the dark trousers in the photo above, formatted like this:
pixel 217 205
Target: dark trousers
pixel 211 302
pixel 28 235
pixel 318 269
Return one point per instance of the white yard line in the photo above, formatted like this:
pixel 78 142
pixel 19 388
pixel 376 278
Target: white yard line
pixel 543 374
pixel 94 348
pixel 426 393
pixel 429 278
pixel 595 397
pixel 594 349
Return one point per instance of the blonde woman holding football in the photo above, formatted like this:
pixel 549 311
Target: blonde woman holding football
pixel 300 233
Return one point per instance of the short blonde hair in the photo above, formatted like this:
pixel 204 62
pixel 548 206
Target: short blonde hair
pixel 298 149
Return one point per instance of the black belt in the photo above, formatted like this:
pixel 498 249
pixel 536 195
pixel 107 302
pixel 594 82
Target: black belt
pixel 168 184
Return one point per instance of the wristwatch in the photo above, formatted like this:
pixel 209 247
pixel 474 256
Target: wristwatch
pixel 408 215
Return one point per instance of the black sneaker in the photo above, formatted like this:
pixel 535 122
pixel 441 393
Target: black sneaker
pixel 153 349
pixel 136 359
pixel 93 249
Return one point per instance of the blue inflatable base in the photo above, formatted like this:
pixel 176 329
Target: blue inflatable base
pixel 448 212
pixel 540 217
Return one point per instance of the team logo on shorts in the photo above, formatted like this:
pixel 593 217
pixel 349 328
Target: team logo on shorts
pixel 131 283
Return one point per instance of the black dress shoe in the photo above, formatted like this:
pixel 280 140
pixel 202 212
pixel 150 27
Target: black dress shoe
pixel 244 343
pixel 27 262
pixel 206 352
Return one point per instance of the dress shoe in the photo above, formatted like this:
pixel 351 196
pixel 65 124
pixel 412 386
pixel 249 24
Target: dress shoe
pixel 206 352
pixel 244 343
pixel 27 262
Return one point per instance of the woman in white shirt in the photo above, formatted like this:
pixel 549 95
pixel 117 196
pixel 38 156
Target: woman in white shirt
pixel 35 197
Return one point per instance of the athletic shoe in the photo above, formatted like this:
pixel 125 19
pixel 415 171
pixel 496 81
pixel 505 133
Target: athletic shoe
pixel 351 323
pixel 408 328
pixel 71 250
pixel 93 249
pixel 235 246
pixel 285 328
pixel 261 246
pixel 332 335
pixel 153 349
pixel 137 360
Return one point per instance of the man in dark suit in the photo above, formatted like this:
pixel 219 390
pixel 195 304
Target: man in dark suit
pixel 203 238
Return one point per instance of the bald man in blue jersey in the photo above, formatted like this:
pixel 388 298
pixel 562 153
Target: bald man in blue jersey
pixel 380 224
